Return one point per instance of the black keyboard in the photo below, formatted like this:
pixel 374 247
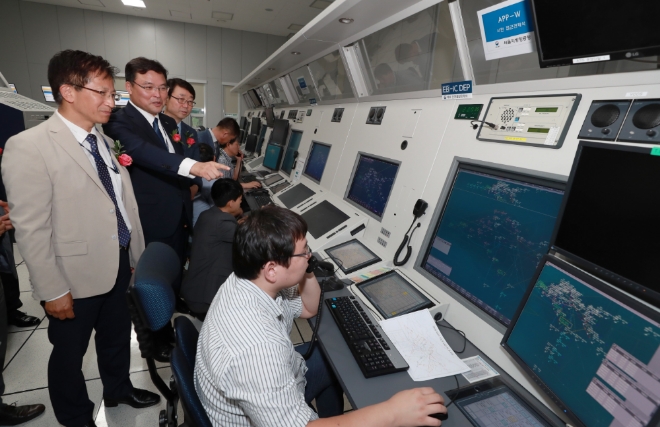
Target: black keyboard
pixel 371 348
pixel 257 199
pixel 263 200
pixel 247 178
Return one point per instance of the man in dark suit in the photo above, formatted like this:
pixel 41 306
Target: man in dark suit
pixel 180 102
pixel 160 172
pixel 210 258
pixel 225 132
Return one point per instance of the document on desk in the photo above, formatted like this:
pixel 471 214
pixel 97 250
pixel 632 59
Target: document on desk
pixel 423 347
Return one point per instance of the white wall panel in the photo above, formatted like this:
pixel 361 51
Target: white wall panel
pixel 170 47
pixel 12 29
pixel 253 52
pixel 40 28
pixel 231 55
pixel 115 31
pixel 213 52
pixel 141 37
pixel 195 51
pixel 94 32
pixel 72 28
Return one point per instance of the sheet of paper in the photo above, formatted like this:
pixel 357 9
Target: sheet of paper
pixel 423 347
pixel 479 369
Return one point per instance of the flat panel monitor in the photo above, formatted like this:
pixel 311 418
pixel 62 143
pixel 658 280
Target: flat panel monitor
pixel 280 131
pixel 273 156
pixel 270 117
pixel 123 101
pixel 322 218
pixel 592 348
pixel 262 137
pixel 291 151
pixel 255 128
pixel 371 184
pixel 316 160
pixel 254 98
pixel 493 228
pixel 392 295
pixel 352 256
pixel 48 93
pixel 614 30
pixel 243 123
pixel 251 143
pixel 296 195
pixel 605 221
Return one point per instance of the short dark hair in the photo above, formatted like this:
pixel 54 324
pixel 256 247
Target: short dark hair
pixel 173 83
pixel 76 68
pixel 205 152
pixel 402 52
pixel 142 65
pixel 267 234
pixel 225 190
pixel 229 124
pixel 381 70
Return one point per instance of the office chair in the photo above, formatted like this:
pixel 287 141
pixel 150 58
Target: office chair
pixel 151 303
pixel 183 362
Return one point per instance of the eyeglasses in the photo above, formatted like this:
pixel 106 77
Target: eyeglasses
pixel 103 93
pixel 306 254
pixel 150 88
pixel 183 101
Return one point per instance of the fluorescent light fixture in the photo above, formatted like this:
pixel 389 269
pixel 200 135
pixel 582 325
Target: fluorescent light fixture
pixel 222 16
pixel 321 4
pixel 179 14
pixel 295 27
pixel 134 3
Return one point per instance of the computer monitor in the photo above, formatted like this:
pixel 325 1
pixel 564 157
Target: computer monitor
pixel 296 195
pixel 592 348
pixel 492 229
pixel 316 160
pixel 243 123
pixel 270 117
pixel 322 218
pixel 254 98
pixel 251 143
pixel 604 222
pixel 255 128
pixel 291 150
pixel 273 156
pixel 262 136
pixel 279 133
pixel 48 93
pixel 371 183
pixel 123 101
pixel 352 256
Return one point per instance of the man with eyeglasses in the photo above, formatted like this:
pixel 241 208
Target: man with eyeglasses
pixel 247 371
pixel 79 232
pixel 180 102
pixel 160 172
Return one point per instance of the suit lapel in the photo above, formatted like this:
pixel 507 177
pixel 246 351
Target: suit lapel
pixel 64 138
pixel 167 125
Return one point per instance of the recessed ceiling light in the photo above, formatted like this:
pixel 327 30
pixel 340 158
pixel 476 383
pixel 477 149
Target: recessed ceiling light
pixel 295 27
pixel 222 16
pixel 269 10
pixel 180 14
pixel 295 53
pixel 134 3
pixel 346 20
pixel 321 4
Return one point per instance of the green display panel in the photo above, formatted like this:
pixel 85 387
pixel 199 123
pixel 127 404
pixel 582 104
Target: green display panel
pixel 468 111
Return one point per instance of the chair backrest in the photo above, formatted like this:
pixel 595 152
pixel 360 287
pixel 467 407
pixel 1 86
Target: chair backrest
pixel 195 416
pixel 186 336
pixel 151 298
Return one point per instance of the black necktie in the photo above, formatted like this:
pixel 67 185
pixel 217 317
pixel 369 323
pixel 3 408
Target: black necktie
pixel 104 175
pixel 160 135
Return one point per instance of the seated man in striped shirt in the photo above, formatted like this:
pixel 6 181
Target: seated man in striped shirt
pixel 247 371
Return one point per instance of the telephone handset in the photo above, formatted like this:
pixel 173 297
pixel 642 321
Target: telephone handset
pixel 418 210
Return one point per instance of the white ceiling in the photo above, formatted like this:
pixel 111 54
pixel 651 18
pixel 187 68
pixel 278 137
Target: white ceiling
pixel 249 15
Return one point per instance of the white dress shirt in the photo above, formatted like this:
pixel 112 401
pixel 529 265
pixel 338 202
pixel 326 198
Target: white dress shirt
pixel 186 164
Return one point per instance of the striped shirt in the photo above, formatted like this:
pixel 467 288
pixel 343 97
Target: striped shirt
pixel 224 159
pixel 247 372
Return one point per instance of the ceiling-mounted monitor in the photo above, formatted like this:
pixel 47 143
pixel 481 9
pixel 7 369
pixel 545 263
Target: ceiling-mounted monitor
pixel 254 98
pixel 569 32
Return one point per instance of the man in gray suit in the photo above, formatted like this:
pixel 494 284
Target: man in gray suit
pixel 78 229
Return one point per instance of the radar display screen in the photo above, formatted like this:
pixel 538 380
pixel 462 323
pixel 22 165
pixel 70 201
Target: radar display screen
pixel 371 184
pixel 392 295
pixel 318 157
pixel 594 349
pixel 352 256
pixel 494 229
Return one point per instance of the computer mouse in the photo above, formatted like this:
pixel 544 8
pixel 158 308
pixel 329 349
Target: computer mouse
pixel 442 416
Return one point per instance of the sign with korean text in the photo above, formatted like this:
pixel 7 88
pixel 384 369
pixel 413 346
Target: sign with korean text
pixel 507 29
pixel 457 90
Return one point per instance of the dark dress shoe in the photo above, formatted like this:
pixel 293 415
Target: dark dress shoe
pixel 162 354
pixel 137 399
pixel 12 415
pixel 22 320
pixel 90 424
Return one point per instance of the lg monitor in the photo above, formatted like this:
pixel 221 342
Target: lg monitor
pixel 262 136
pixel 316 160
pixel 279 132
pixel 630 31
pixel 592 348
pixel 604 222
pixel 371 184
pixel 243 123
pixel 251 143
pixel 255 128
pixel 273 157
pixel 491 230
pixel 48 93
pixel 270 117
pixel 291 151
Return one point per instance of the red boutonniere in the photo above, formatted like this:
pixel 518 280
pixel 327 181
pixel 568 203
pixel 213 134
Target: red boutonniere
pixel 1 150
pixel 123 158
pixel 189 139
pixel 175 135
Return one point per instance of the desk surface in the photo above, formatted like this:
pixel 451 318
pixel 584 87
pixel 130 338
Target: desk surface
pixel 362 392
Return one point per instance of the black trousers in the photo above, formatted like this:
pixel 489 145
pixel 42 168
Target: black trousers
pixel 3 338
pixel 108 315
pixel 12 292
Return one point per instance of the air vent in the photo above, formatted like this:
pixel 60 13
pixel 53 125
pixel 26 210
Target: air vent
pixel 337 115
pixel 376 115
